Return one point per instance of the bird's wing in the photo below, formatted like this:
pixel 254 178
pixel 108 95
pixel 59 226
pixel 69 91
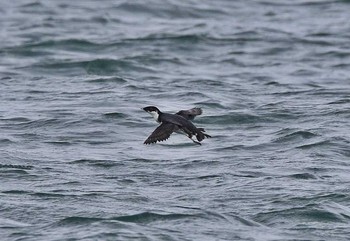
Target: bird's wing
pixel 161 133
pixel 190 114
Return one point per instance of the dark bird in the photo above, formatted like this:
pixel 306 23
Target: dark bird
pixel 179 122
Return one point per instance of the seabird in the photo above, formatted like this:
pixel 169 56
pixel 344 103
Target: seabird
pixel 179 122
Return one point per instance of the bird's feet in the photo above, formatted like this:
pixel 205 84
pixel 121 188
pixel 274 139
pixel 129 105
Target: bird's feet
pixel 197 142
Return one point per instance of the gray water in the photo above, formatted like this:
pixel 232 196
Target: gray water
pixel 272 78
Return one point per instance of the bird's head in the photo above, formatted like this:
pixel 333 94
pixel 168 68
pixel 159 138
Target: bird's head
pixel 154 111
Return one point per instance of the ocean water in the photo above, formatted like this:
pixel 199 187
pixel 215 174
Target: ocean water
pixel 272 78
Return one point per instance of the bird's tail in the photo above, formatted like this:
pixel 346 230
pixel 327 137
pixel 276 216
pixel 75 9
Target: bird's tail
pixel 200 135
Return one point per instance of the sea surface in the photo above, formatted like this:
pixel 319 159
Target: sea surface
pixel 272 78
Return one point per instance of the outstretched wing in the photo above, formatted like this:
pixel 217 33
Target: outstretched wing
pixel 190 114
pixel 161 133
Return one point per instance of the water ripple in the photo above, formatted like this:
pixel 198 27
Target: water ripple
pixel 272 78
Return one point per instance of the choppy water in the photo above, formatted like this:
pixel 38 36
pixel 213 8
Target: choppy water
pixel 272 77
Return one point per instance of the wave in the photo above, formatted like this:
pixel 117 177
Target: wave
pixel 16 119
pixel 10 223
pixel 29 123
pixel 340 102
pixel 118 80
pixel 115 115
pixel 315 144
pixel 15 171
pixel 113 66
pixel 59 143
pixel 294 136
pixel 64 43
pixel 76 220
pixel 101 66
pixel 147 217
pixel 304 213
pixel 230 119
pixel 98 163
pixel 14 166
pixel 44 48
pixel 16 192
pixel 166 10
pixel 303 176
pixel 5 141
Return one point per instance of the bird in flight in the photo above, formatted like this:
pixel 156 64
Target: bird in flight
pixel 179 122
